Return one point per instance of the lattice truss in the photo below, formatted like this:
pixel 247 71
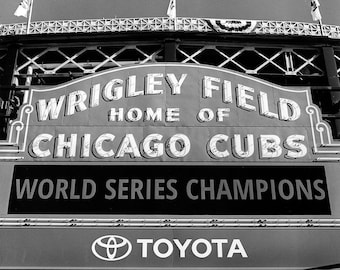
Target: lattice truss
pixel 256 60
pixel 54 65
pixel 337 59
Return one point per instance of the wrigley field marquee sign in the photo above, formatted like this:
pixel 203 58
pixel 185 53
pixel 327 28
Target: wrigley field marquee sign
pixel 169 112
pixel 91 138
pixel 161 145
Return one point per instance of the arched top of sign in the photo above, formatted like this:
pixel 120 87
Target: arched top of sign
pixel 160 66
pixel 168 112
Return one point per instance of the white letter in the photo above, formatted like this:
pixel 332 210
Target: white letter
pixel 115 93
pixel 236 247
pixel 169 251
pixel 52 109
pixel 157 149
pixel 98 145
pixel 182 248
pixel 222 113
pixel 204 242
pixel 175 84
pixel 264 106
pixel 184 143
pixel 287 105
pixel 151 83
pixel 270 146
pixel 86 143
pixel 219 243
pixel 95 93
pixel 71 145
pixel 114 114
pixel 227 96
pixel 212 146
pixel 249 141
pixel 36 145
pixel 144 243
pixel 134 115
pixel 75 102
pixel 154 116
pixel 293 142
pixel 128 146
pixel 132 86
pixel 208 87
pixel 172 115
pixel 242 97
pixel 202 117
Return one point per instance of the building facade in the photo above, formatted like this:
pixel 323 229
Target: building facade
pixel 170 143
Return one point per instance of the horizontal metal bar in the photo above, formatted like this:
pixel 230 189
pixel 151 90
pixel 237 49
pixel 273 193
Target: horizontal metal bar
pixel 64 74
pixel 258 27
pixel 333 116
pixel 49 75
pixel 325 88
pixel 171 222
pixel 13 88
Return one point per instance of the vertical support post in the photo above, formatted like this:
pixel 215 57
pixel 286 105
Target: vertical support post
pixel 333 81
pixel 170 46
pixel 10 61
pixel 331 68
pixel 29 19
pixel 321 28
pixel 289 62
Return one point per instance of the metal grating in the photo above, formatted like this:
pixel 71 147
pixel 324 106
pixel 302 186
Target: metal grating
pixel 53 65
pixel 252 60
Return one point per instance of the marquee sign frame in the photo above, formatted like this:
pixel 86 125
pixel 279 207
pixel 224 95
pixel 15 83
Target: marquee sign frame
pixel 323 146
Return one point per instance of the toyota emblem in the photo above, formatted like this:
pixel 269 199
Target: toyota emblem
pixel 111 248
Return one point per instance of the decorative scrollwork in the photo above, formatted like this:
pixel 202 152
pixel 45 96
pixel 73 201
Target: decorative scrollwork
pixel 260 27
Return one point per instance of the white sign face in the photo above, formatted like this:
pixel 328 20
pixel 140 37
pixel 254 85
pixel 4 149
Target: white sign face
pixel 169 112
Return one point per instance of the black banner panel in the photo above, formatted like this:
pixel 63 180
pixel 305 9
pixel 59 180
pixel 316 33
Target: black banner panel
pixel 169 190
